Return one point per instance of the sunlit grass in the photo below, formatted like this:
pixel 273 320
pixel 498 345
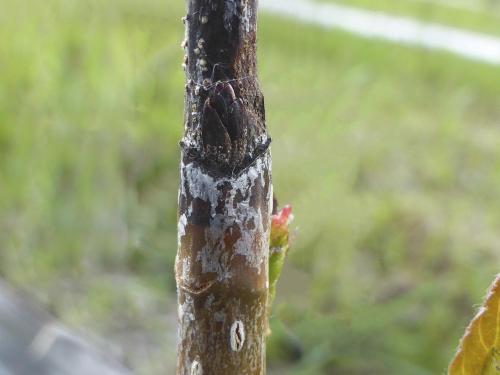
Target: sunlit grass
pixel 475 15
pixel 388 154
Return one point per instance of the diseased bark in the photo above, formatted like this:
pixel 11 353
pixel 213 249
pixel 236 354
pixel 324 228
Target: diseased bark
pixel 224 196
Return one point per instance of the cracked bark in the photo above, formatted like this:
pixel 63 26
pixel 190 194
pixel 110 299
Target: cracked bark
pixel 224 196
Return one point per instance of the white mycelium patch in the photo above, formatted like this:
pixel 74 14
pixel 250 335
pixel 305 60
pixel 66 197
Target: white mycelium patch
pixel 185 315
pixel 186 267
pixel 182 225
pixel 237 215
pixel 249 241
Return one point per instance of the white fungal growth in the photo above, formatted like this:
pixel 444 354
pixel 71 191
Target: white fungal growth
pixel 205 187
pixel 186 267
pixel 204 19
pixel 201 185
pixel 196 368
pixel 252 243
pixel 182 225
pixel 206 257
pixel 181 229
pixel 185 313
pixel 237 336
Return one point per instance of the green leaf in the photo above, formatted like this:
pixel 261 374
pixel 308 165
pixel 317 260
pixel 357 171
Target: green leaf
pixel 479 349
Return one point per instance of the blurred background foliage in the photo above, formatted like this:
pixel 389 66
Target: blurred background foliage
pixel 390 157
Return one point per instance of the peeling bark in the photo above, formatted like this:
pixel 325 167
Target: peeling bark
pixel 224 197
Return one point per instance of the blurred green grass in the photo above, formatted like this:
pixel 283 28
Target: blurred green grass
pixel 388 154
pixel 476 15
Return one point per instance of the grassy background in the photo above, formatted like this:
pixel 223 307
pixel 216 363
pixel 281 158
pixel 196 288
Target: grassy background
pixel 475 15
pixel 389 155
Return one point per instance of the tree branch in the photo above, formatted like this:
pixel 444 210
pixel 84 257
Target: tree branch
pixel 224 196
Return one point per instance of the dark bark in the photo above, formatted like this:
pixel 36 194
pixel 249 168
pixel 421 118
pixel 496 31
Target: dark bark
pixel 224 196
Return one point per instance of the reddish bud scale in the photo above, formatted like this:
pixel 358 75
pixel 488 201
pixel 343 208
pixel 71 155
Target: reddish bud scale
pixel 280 223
